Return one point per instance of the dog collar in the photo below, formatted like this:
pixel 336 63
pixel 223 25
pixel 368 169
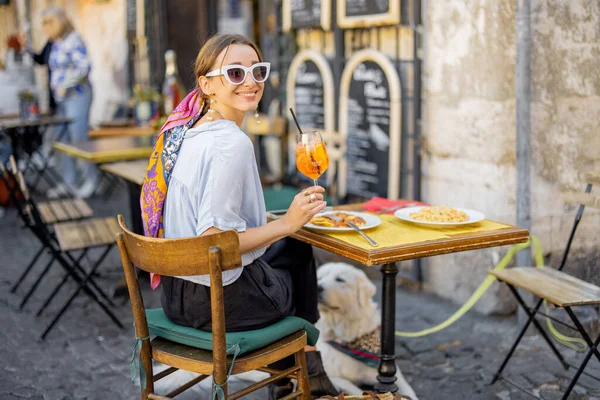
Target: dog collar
pixel 365 348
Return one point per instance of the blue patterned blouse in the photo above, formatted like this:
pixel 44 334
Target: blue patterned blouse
pixel 70 65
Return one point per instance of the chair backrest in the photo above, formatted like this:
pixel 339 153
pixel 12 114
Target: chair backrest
pixel 200 255
pixel 583 200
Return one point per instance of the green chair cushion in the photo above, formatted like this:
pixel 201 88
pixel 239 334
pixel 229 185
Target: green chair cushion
pixel 160 325
pixel 280 197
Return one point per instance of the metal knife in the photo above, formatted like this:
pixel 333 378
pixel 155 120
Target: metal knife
pixel 356 228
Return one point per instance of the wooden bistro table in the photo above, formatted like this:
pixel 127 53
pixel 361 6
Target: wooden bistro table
pixel 17 130
pixel 100 151
pixel 132 172
pixel 399 241
pixel 123 131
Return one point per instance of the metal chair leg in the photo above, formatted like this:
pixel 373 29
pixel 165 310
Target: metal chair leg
pixel 57 289
pixel 83 286
pixel 92 281
pixel 593 346
pixel 78 279
pixel 539 327
pixel 35 285
pixel 27 270
pixel 593 351
pixel 514 346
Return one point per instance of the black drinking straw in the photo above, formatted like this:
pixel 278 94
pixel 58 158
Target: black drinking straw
pixel 296 121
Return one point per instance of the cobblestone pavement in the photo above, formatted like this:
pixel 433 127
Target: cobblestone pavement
pixel 87 357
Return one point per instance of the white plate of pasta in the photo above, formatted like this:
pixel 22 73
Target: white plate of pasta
pixel 440 216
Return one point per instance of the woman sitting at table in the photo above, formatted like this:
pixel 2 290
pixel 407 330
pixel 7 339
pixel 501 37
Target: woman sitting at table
pixel 213 185
pixel 70 67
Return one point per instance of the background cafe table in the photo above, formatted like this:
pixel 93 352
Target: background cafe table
pixel 123 131
pixel 107 150
pixel 17 130
pixel 401 241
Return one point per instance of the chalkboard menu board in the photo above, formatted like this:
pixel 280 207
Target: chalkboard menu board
pixel 299 14
pixel 310 95
pixel 370 121
pixel 131 16
pixel 367 13
pixel 368 7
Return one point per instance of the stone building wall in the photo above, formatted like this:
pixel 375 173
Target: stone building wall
pixel 469 129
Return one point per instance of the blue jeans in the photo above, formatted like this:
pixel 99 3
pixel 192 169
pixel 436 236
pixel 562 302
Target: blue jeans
pixel 5 150
pixel 76 106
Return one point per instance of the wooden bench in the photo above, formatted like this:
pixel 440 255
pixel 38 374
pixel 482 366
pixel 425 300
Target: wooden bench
pixel 88 233
pixel 64 210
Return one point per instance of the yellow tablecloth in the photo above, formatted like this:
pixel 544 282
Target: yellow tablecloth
pixel 394 232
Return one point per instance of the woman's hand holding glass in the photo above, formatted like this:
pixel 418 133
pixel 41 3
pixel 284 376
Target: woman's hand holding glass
pixel 306 205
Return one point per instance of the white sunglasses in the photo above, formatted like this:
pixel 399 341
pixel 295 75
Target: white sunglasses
pixel 236 74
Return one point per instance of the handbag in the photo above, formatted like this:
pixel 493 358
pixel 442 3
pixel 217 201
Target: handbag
pixel 6 198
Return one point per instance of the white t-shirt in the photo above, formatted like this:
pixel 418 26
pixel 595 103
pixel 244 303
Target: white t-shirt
pixel 215 183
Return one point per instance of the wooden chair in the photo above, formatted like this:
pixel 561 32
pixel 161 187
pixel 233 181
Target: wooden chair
pixel 210 254
pixel 60 240
pixel 559 288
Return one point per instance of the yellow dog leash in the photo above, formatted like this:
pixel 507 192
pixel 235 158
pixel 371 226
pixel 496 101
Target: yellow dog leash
pixel 571 342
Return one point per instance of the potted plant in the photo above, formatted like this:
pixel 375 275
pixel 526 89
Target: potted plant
pixel 29 108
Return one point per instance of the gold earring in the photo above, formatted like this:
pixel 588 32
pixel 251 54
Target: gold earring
pixel 256 116
pixel 210 112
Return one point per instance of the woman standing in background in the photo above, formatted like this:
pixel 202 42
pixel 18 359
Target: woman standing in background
pixel 69 67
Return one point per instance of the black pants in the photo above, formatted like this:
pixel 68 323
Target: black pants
pixel 283 282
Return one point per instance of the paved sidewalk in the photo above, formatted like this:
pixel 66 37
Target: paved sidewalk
pixel 87 357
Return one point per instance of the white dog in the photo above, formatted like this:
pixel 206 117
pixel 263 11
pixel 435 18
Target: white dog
pixel 350 319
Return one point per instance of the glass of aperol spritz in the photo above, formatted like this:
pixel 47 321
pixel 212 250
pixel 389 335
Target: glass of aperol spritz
pixel 311 154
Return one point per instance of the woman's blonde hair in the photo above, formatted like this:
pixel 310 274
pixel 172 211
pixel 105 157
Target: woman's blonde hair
pixel 214 46
pixel 61 17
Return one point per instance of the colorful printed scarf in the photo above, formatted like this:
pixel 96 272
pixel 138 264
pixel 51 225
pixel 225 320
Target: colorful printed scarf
pixel 162 161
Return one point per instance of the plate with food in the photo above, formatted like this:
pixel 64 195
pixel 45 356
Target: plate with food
pixel 441 216
pixel 323 221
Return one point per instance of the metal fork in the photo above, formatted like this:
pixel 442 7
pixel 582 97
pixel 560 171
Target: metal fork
pixel 356 228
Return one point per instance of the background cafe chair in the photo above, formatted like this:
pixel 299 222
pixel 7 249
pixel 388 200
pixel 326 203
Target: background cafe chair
pixel 51 211
pixel 189 349
pixel 560 289
pixel 62 239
